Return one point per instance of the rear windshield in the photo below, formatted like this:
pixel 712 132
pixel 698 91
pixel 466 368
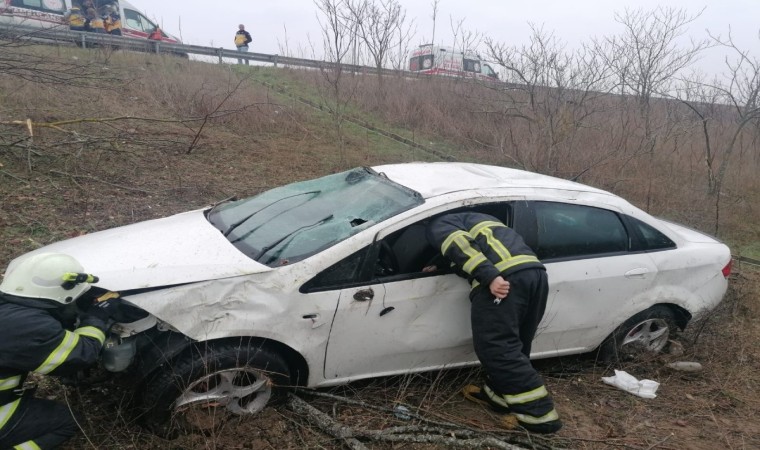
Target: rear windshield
pixel 290 223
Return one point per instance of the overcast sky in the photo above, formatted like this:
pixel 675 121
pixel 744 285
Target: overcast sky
pixel 277 23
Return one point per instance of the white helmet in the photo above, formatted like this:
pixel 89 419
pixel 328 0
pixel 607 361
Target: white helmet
pixel 54 276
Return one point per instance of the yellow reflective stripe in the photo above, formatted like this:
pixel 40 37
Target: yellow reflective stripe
pixel 496 245
pixel 525 397
pixel 28 445
pixel 92 332
pixel 495 397
pixel 515 261
pixel 449 240
pixel 473 262
pixel 551 416
pixel 10 383
pixel 60 354
pixel 6 411
pixel 486 224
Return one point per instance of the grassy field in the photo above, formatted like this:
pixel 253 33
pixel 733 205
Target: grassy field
pixel 136 137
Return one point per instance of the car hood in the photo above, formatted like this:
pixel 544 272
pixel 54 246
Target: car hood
pixel 183 248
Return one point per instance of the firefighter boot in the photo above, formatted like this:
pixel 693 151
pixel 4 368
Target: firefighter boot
pixel 477 395
pixel 542 428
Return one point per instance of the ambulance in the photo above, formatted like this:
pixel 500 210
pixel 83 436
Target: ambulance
pixel 429 59
pixel 50 14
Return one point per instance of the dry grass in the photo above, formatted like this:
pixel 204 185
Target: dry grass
pixel 93 176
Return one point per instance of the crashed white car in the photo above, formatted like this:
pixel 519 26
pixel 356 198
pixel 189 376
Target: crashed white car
pixel 320 282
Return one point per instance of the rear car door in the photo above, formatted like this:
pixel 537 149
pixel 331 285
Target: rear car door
pixel 593 272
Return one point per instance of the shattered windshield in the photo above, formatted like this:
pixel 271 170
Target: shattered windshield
pixel 290 223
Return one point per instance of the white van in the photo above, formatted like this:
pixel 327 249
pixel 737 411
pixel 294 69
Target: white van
pixel 429 59
pixel 50 13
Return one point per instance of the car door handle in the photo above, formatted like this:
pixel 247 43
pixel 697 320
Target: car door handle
pixel 364 295
pixel 640 272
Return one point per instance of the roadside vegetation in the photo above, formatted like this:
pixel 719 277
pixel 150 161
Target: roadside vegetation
pixel 94 139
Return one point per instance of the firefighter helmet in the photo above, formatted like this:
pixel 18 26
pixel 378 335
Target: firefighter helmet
pixel 55 276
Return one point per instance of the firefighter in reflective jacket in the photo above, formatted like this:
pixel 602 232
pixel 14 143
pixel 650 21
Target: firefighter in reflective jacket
pixel 35 297
pixel 75 18
pixel 508 300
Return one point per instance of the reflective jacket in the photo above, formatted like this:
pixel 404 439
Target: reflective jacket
pixel 481 246
pixel 242 38
pixel 33 339
pixel 75 18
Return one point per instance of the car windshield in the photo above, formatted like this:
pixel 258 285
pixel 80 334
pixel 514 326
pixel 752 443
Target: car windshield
pixel 290 223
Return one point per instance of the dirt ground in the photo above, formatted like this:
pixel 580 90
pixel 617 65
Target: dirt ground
pixel 100 176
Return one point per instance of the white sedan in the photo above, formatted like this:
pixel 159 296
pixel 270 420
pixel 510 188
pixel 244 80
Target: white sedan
pixel 320 282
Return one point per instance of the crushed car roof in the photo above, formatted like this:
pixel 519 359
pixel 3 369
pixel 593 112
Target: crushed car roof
pixel 433 179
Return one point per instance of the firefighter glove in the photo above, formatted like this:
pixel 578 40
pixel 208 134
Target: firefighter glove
pixel 104 310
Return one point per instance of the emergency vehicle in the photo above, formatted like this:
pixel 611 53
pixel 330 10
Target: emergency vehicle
pixel 50 14
pixel 429 59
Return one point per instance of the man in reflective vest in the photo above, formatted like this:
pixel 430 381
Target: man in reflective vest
pixel 75 18
pixel 508 299
pixel 37 296
pixel 242 39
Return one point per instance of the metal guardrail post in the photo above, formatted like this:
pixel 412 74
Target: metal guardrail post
pixel 274 60
pixel 219 52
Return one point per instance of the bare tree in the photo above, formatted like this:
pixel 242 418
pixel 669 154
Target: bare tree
pixel 551 92
pixel 465 40
pixel 434 16
pixel 647 56
pixel 381 25
pixel 335 21
pixel 727 110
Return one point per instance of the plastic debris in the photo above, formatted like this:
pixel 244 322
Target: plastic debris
pixel 685 366
pixel 401 412
pixel 627 382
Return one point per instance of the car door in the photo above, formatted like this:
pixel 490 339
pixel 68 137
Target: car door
pixel 401 319
pixel 593 275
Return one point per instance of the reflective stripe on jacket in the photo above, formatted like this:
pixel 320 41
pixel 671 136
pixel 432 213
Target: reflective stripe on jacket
pixel 481 246
pixel 33 340
pixel 242 38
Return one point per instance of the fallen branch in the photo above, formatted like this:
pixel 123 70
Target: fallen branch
pixel 324 422
pixel 446 434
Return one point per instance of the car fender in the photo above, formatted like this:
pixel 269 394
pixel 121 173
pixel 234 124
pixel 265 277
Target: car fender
pixel 248 306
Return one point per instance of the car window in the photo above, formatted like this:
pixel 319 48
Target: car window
pixel 137 21
pixel 404 253
pixel 343 273
pixel 564 231
pixel 651 238
pixel 53 6
pixel 293 222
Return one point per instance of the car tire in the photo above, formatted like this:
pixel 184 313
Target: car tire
pixel 211 384
pixel 646 333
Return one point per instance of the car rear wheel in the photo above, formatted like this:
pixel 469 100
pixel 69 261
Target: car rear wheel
pixel 211 384
pixel 646 333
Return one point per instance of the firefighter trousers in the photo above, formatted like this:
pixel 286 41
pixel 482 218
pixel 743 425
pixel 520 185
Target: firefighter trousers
pixel 38 423
pixel 502 334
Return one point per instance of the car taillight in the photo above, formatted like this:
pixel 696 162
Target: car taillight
pixel 727 270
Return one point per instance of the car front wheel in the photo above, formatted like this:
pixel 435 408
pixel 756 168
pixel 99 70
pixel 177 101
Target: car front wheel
pixel 645 333
pixel 211 384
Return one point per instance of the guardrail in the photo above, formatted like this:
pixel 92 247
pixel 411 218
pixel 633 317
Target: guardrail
pixel 14 32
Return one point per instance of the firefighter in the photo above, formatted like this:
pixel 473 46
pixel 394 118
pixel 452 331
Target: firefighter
pixel 508 299
pixel 37 301
pixel 112 20
pixel 93 22
pixel 75 18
